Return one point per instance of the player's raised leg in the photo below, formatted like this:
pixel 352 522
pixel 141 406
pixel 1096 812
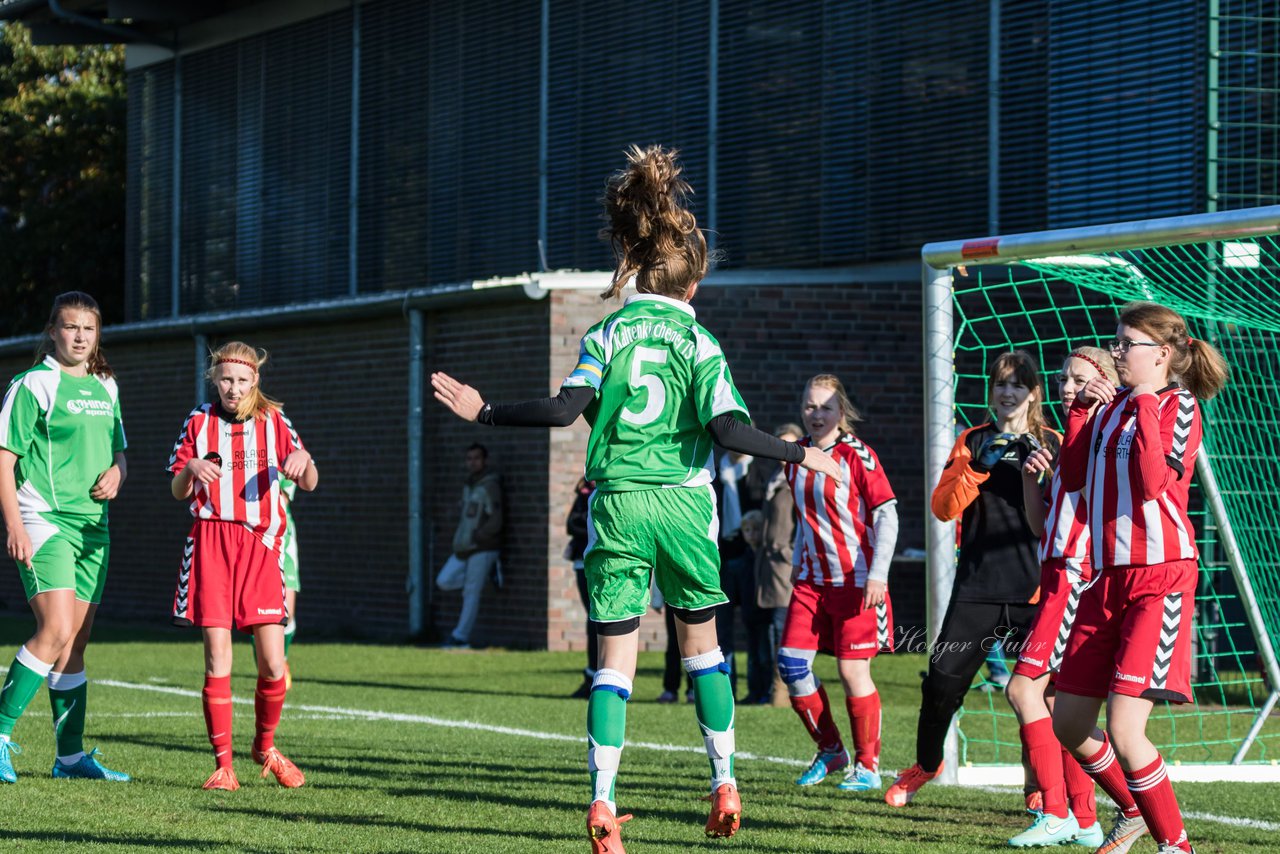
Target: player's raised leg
pixel 810 702
pixel 713 701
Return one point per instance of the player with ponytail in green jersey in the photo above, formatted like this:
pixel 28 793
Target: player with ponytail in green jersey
pixel 656 389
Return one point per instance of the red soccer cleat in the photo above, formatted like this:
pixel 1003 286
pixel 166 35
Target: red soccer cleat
pixel 224 779
pixel 274 762
pixel 602 829
pixel 726 811
pixel 908 783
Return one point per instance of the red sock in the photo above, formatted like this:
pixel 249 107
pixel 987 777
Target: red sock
pixel 1044 753
pixel 1154 794
pixel 217 716
pixel 864 719
pixel 268 702
pixel 1084 804
pixel 1105 770
pixel 815 712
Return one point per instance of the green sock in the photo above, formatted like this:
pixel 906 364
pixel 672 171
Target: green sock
pixel 606 732
pixel 713 701
pixel 21 683
pixel 288 636
pixel 68 705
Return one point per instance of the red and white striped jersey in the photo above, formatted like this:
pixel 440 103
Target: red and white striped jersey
pixel 834 536
pixel 251 453
pixel 1138 478
pixel 1066 524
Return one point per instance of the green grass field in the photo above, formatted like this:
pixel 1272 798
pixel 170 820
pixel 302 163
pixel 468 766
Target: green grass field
pixel 404 751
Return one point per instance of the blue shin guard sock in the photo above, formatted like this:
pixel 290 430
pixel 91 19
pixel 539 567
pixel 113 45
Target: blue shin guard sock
pixel 606 732
pixel 713 699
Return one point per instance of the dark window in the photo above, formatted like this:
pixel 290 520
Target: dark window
pixel 1126 110
pixel 149 229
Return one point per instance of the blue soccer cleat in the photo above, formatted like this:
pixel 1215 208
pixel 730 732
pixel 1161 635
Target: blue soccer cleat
pixel 823 764
pixel 860 779
pixel 88 768
pixel 7 774
pixel 1047 830
pixel 1090 837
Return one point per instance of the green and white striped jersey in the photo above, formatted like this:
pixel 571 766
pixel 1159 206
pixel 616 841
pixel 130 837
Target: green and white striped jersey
pixel 65 431
pixel 659 379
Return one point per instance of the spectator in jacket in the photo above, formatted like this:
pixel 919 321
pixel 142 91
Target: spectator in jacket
pixel 476 542
pixel 773 557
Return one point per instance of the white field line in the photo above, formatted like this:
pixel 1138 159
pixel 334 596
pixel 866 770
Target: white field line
pixel 1255 823
pixel 398 717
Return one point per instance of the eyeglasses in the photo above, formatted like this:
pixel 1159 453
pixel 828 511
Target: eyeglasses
pixel 1121 346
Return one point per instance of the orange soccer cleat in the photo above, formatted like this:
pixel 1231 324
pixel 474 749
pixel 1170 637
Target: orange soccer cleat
pixel 274 762
pixel 603 830
pixel 224 779
pixel 726 811
pixel 908 783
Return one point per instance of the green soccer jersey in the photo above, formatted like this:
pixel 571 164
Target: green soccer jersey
pixel 659 379
pixel 65 431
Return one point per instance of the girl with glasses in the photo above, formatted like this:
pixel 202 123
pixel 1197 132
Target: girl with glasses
pixel 1132 452
pixel 1059 516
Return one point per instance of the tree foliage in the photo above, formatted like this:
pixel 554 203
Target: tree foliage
pixel 62 177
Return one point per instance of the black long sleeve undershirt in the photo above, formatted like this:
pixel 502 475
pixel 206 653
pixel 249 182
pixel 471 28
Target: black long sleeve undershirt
pixel 564 409
pixel 732 435
pixel 559 411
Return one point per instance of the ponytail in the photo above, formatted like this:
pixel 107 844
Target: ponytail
pixel 654 237
pixel 1196 364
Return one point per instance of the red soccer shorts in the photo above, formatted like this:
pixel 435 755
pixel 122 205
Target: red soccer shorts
pixel 228 577
pixel 832 619
pixel 1061 584
pixel 1133 634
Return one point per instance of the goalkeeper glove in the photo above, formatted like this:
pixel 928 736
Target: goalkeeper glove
pixel 993 451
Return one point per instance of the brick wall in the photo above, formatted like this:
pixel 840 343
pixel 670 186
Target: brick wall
pixel 502 351
pixel 344 385
pixel 775 338
pixel 869 335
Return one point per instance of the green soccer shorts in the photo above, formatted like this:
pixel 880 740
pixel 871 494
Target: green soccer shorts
pixel 71 553
pixel 668 532
pixel 289 559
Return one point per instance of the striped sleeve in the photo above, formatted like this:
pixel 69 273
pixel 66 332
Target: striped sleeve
pixel 872 481
pixel 185 447
pixel 287 439
pixel 1183 416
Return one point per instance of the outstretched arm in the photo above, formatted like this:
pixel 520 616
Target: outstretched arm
pixel 465 402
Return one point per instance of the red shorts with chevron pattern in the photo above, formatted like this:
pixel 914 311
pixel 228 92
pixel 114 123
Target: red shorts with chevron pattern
pixel 1062 581
pixel 1132 634
pixel 228 577
pixel 832 619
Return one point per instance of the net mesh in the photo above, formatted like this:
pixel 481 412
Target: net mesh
pixel 1229 291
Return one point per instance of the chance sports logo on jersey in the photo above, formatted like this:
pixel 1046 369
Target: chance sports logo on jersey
pixel 77 406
